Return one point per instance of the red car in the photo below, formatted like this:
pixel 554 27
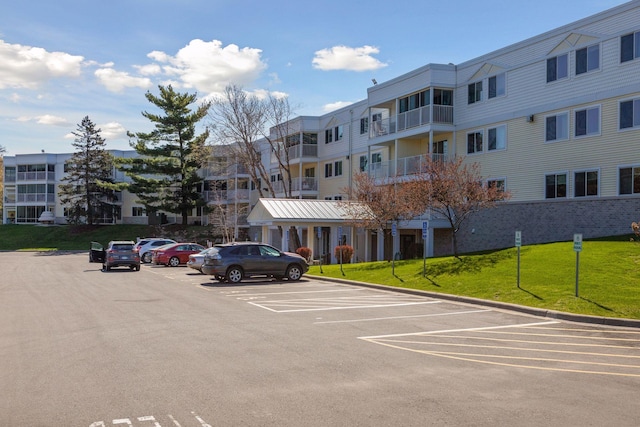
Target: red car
pixel 175 254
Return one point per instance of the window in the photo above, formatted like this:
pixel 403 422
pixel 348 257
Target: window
pixel 498 183
pixel 587 59
pixel 328 170
pixel 587 121
pixel 137 211
pixel 557 127
pixel 442 97
pixel 555 185
pixel 586 183
pixel 497 138
pixel 328 136
pixel 363 163
pixel 338 168
pixel 411 102
pixel 630 46
pixel 310 138
pixel 364 125
pixel 474 142
pixel 337 198
pixel 474 93
pixel 334 134
pixel 376 157
pixel 557 68
pixel 630 113
pixel 629 180
pixel 497 86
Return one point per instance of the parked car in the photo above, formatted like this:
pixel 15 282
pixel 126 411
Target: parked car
pixel 233 262
pixel 118 253
pixel 196 260
pixel 146 245
pixel 175 254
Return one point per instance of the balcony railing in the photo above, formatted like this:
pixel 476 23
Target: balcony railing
pixel 36 176
pixel 404 166
pixel 411 119
pixel 36 197
pixel 297 184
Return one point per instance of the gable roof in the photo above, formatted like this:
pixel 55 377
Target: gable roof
pixel 297 211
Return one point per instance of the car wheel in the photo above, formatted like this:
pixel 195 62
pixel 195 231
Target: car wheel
pixel 294 272
pixel 138 267
pixel 146 257
pixel 174 261
pixel 234 275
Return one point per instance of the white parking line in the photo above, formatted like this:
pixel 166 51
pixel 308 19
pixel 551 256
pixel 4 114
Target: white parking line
pixel 294 292
pixel 517 325
pixel 403 317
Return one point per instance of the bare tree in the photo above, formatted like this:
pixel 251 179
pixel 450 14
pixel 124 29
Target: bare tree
pixel 454 190
pixel 253 127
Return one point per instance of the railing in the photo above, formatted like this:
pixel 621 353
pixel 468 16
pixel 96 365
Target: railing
pixel 303 150
pixel 36 176
pixel 403 166
pixel 297 184
pixel 411 119
pixel 36 197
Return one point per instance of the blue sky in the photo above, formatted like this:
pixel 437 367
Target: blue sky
pixel 63 60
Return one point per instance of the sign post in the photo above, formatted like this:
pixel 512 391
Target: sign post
pixel 518 244
pixel 425 235
pixel 394 230
pixel 577 247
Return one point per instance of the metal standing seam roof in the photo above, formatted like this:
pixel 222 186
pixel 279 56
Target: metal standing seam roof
pixel 296 210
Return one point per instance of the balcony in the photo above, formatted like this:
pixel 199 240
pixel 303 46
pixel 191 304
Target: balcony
pixel 36 198
pixel 404 166
pixel 430 114
pixel 298 151
pixel 297 184
pixel 241 195
pixel 36 176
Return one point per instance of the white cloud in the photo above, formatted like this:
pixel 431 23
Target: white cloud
pixel 112 130
pixel 209 67
pixel 335 106
pixel 347 58
pixel 29 67
pixel 117 81
pixel 46 119
pixel 149 69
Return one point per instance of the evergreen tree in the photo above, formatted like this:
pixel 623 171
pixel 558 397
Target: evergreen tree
pixel 83 192
pixel 165 176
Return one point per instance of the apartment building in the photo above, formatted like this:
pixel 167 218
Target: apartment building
pixel 554 119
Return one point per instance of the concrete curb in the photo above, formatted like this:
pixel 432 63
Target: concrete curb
pixel 540 312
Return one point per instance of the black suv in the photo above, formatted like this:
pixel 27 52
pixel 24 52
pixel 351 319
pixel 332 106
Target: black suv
pixel 233 262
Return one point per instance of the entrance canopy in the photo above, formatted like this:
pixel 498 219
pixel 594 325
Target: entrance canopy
pixel 304 212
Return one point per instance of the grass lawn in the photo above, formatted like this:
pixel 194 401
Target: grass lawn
pixel 609 283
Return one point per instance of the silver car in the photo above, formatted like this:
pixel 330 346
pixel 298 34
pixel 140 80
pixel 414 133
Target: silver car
pixel 233 262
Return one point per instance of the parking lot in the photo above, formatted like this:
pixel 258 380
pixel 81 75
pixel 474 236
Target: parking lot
pixel 171 346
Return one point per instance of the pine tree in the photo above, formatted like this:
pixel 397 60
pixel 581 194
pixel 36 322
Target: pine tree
pixel 83 192
pixel 165 176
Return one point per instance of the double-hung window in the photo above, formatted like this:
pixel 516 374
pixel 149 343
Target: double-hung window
pixel 629 180
pixel 364 125
pixel 630 46
pixel 328 136
pixel 587 121
pixel 558 68
pixel 328 170
pixel 587 59
pixel 557 127
pixel 497 86
pixel 474 142
pixel 585 183
pixel 337 166
pixel 630 113
pixel 475 92
pixel 497 138
pixel 555 185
